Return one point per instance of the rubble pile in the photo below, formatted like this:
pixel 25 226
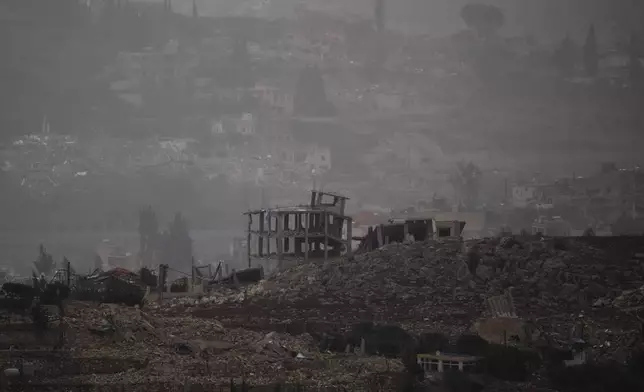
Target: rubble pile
pixel 198 351
pixel 428 286
pixel 630 300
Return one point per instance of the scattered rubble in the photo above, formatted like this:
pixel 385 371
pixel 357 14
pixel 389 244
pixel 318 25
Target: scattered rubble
pixel 197 351
pixel 270 331
pixel 427 286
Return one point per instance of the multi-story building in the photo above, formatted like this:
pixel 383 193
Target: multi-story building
pixel 280 237
pixel 274 98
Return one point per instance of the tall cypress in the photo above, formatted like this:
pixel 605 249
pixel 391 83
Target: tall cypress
pixel 591 58
pixel 635 66
pixel 565 56
pixel 379 15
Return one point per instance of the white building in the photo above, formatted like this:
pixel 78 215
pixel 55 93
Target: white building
pixel 523 195
pixel 244 125
pixel 318 159
pixel 274 98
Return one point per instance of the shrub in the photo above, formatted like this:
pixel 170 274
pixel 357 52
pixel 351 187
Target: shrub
pixel 507 363
pixel 560 244
pixel 432 342
pixel 592 377
pixel 456 381
pixel 471 344
pixel 635 364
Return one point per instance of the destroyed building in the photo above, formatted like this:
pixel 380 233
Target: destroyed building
pixel 281 236
pixel 411 230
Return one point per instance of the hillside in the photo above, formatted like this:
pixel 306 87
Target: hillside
pixel 426 287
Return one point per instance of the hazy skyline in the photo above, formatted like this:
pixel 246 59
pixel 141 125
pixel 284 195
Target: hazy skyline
pixel 547 19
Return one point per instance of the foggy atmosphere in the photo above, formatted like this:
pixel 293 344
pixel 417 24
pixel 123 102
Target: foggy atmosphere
pixel 322 195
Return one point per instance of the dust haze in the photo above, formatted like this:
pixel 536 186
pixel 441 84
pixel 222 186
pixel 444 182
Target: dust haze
pixel 202 110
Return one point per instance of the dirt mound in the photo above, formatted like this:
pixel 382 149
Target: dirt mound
pixel 429 285
pixel 396 272
pixel 539 273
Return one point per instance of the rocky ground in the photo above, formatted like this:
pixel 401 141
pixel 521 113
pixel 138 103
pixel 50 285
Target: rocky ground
pixel 123 347
pixel 556 284
pixel 268 332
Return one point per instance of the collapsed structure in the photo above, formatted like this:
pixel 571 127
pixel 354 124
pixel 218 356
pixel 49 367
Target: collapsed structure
pixel 281 236
pixel 410 230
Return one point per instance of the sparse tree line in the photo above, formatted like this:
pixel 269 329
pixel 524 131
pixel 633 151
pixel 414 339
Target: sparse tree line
pixel 486 19
pixel 568 58
pixel 172 246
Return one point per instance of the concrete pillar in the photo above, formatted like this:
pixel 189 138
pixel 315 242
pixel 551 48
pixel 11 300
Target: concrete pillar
pixel 287 239
pixel 326 236
pixel 280 241
pixel 349 237
pixel 250 225
pixel 260 238
pixel 306 237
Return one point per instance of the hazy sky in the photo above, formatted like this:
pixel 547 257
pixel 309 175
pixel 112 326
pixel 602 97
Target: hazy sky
pixel 547 19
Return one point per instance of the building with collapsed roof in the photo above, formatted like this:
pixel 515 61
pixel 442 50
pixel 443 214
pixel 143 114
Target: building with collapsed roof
pixel 410 230
pixel 280 237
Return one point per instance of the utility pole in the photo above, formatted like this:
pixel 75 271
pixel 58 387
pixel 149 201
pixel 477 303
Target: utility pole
pixel 163 272
pixel 69 273
pixel 192 273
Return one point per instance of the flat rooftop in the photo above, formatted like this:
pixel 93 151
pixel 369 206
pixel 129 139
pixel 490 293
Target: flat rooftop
pixel 296 209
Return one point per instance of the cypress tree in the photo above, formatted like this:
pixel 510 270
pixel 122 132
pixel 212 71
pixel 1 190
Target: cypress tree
pixel 379 15
pixel 635 67
pixel 591 58
pixel 310 96
pixel 565 56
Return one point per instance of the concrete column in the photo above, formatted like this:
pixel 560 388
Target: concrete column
pixel 306 237
pixel 250 225
pixel 326 236
pixel 349 237
pixel 260 238
pixel 280 241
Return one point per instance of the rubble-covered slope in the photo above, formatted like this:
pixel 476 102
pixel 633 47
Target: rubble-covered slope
pixel 426 286
pixel 122 348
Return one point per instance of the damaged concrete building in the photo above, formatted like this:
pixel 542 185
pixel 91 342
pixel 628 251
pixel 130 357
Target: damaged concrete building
pixel 280 237
pixel 410 230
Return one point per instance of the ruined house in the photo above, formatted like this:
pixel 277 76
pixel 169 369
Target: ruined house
pixel 280 237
